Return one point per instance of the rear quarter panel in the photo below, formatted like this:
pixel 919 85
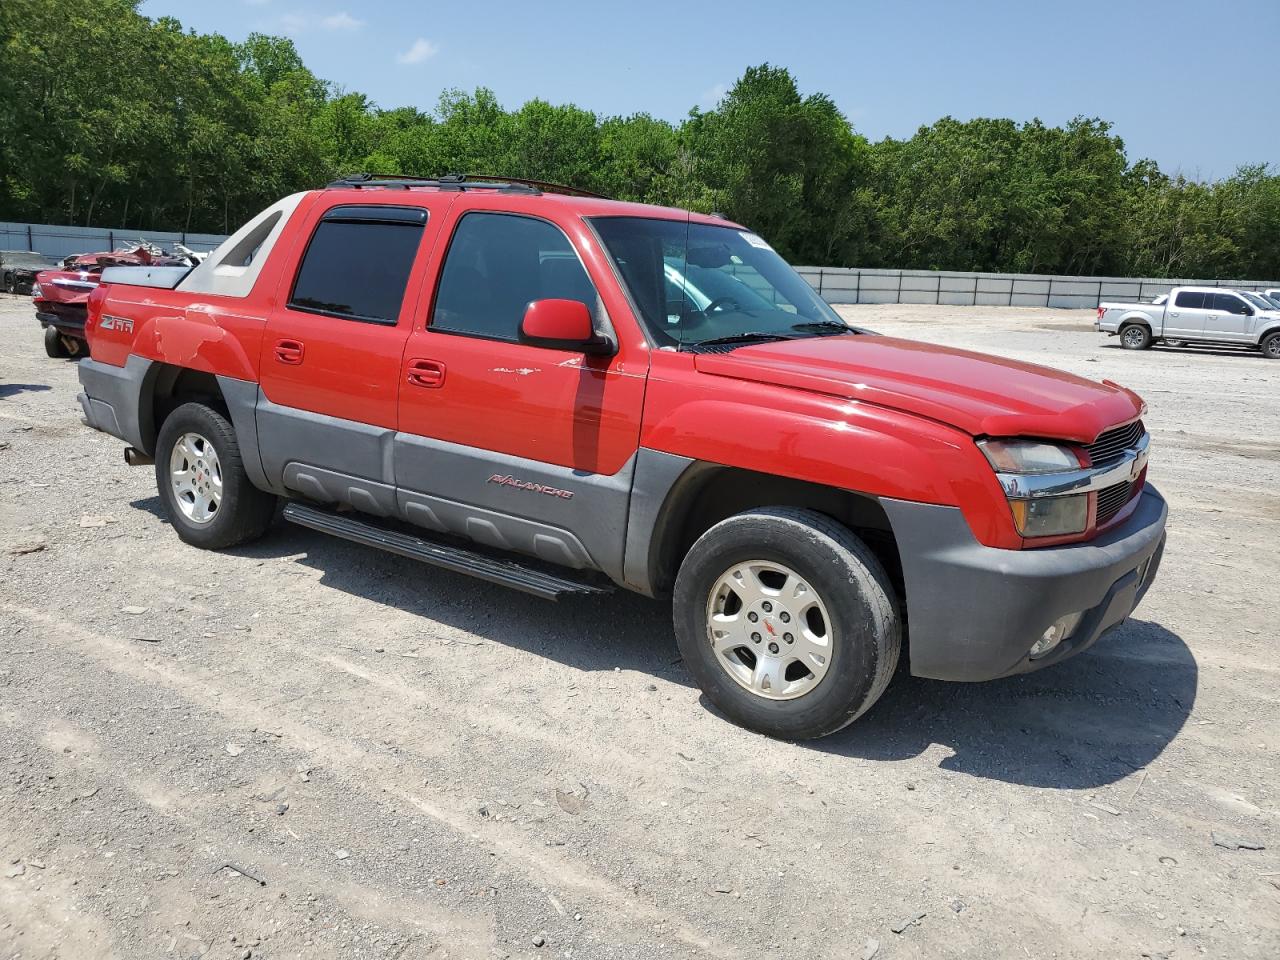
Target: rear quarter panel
pixel 222 338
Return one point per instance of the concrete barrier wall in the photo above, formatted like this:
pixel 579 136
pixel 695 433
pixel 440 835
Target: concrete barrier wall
pixel 958 288
pixel 59 241
pixel 836 284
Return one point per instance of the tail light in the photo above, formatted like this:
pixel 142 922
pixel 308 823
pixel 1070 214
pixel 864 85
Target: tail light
pixel 1101 311
pixel 93 308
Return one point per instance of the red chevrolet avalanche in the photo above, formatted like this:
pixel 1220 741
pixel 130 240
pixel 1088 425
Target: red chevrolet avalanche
pixel 562 394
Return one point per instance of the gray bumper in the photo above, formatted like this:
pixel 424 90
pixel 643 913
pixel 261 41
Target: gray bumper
pixel 112 397
pixel 973 612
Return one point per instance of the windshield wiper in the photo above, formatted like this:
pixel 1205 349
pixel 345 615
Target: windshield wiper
pixel 819 326
pixel 751 336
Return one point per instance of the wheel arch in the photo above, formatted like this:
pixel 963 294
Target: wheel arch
pixel 165 387
pixel 1129 319
pixel 705 493
pixel 168 386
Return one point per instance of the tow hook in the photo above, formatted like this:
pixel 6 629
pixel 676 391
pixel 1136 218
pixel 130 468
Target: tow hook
pixel 136 458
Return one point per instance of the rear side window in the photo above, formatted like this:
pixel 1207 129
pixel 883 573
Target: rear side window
pixel 1228 303
pixel 499 263
pixel 1190 300
pixel 357 264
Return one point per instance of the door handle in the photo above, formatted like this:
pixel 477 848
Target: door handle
pixel 426 373
pixel 289 351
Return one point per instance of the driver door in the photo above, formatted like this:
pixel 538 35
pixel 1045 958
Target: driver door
pixel 518 446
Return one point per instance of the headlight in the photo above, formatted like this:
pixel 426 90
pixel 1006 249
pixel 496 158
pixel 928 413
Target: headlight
pixel 1051 516
pixel 1048 516
pixel 1028 456
pixel 35 291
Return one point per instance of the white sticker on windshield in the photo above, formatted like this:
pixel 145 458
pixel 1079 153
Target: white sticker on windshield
pixel 754 240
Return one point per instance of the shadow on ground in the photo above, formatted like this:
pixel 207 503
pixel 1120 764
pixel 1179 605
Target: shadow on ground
pixel 1089 721
pixel 13 389
pixel 1086 722
pixel 1199 349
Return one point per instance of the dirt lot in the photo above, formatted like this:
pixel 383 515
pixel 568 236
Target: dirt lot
pixel 420 765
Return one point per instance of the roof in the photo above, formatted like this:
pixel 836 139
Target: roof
pixel 525 195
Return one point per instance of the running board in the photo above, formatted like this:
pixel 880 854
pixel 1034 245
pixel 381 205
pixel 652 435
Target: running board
pixel 506 573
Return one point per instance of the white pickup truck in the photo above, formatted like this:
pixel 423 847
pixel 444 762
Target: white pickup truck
pixel 1195 315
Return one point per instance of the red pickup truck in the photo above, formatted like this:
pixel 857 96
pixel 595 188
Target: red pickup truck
pixel 562 393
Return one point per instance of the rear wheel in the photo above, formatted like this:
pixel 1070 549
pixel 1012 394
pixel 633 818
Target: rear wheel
pixel 10 283
pixel 1271 346
pixel 787 622
pixel 1135 337
pixel 202 481
pixel 53 345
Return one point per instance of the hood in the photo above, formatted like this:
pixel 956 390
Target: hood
pixel 979 394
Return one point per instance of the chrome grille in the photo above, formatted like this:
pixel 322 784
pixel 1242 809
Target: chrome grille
pixel 1111 500
pixel 1111 444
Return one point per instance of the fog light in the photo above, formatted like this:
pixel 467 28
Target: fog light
pixel 1061 630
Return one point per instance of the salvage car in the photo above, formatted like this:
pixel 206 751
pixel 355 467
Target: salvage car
pixel 1195 315
pixel 18 269
pixel 61 295
pixel 514 381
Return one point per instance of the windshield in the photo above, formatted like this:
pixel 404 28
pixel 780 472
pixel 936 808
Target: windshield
pixel 1257 301
pixel 694 282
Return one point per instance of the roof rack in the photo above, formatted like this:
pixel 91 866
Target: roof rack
pixel 459 182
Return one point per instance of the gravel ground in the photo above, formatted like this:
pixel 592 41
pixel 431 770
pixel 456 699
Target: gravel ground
pixel 418 765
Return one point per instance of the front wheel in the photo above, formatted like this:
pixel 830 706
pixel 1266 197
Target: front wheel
pixel 1135 337
pixel 202 481
pixel 787 622
pixel 1271 346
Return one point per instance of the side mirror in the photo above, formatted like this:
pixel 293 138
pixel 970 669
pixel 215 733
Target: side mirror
pixel 562 325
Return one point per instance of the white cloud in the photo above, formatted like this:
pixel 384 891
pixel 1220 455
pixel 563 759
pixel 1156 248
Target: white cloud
pixel 341 21
pixel 713 95
pixel 291 24
pixel 422 49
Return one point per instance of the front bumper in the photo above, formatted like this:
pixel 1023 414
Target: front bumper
pixel 974 612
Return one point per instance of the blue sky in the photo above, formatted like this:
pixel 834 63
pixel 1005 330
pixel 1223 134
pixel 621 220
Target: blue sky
pixel 1193 85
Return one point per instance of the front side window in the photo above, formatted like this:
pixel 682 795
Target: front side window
pixel 1189 300
pixel 693 283
pixel 497 265
pixel 1229 303
pixel 357 264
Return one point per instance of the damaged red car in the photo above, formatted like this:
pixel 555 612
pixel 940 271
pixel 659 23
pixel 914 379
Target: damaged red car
pixel 61 296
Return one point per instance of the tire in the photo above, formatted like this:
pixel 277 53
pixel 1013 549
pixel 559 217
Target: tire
pixel 1135 336
pixel 53 345
pixel 857 613
pixel 1175 343
pixel 234 510
pixel 10 283
pixel 1270 346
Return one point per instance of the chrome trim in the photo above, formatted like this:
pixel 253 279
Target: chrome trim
pixel 73 284
pixel 1031 486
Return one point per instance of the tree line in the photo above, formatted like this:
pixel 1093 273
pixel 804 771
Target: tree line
pixel 108 117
